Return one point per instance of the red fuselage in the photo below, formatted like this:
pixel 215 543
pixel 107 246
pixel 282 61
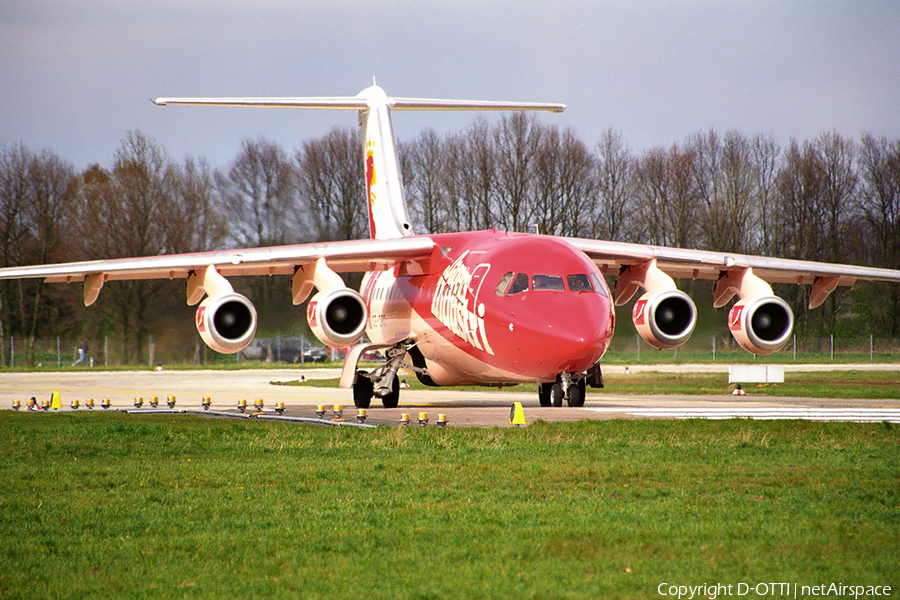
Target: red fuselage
pixel 491 307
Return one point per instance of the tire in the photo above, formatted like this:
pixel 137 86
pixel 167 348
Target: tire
pixel 576 394
pixel 544 394
pixel 556 394
pixel 392 399
pixel 362 390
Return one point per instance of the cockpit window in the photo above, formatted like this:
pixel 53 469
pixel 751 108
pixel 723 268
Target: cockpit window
pixel 501 288
pixel 519 284
pixel 547 282
pixel 579 283
pixel 599 285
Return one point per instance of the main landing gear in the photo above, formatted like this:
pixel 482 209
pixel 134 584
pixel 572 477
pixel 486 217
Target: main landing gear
pixel 570 387
pixel 384 382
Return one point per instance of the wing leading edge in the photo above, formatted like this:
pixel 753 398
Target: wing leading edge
pixel 347 256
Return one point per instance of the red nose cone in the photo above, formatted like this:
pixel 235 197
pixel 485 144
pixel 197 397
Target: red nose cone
pixel 554 332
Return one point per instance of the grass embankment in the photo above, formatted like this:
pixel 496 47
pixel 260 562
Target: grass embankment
pixel 114 506
pixel 884 385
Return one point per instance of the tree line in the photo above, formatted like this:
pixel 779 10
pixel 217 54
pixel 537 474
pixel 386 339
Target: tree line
pixel 830 199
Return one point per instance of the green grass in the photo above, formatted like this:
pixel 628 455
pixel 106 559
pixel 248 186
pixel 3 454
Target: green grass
pixel 118 506
pixel 884 385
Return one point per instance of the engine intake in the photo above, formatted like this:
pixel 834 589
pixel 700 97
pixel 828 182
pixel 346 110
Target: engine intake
pixel 226 323
pixel 337 317
pixel 665 319
pixel 761 325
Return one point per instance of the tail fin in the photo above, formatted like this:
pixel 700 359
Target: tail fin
pixel 388 217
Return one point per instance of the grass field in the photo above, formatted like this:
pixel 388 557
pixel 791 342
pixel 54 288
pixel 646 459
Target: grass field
pixel 115 506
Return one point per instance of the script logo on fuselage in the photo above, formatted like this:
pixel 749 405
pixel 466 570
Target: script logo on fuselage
pixel 454 305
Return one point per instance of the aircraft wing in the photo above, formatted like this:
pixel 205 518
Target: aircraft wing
pixel 680 263
pixel 347 256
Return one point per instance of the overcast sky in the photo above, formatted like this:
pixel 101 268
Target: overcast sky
pixel 76 75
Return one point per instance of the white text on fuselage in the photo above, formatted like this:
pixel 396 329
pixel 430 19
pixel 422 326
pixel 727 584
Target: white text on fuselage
pixel 453 305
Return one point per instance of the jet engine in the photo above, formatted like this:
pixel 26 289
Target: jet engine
pixel 227 323
pixel 761 325
pixel 337 316
pixel 665 319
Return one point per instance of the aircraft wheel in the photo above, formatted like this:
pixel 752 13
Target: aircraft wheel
pixel 544 394
pixel 556 394
pixel 392 399
pixel 362 390
pixel 576 394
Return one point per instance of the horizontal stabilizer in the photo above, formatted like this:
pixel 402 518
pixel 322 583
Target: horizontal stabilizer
pixel 335 102
pixel 362 103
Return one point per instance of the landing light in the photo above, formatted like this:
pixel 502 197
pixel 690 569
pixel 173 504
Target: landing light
pixel 170 401
pixel 207 402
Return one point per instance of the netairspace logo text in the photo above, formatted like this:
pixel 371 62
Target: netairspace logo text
pixel 771 590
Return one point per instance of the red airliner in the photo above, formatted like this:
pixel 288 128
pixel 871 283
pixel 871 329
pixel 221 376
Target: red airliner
pixel 483 307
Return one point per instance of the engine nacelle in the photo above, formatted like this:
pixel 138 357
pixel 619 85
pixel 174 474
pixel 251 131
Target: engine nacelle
pixel 665 319
pixel 226 323
pixel 761 325
pixel 337 317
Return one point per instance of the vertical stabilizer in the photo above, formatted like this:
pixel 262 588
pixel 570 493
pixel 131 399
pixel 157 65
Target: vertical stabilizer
pixel 386 202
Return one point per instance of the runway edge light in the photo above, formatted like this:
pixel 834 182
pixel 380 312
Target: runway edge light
pixel 517 415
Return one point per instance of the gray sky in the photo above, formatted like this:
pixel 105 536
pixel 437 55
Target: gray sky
pixel 76 75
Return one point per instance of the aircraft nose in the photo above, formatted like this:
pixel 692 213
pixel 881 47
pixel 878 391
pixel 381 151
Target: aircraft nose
pixel 568 340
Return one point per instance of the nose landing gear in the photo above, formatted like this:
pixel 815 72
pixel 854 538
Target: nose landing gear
pixel 567 386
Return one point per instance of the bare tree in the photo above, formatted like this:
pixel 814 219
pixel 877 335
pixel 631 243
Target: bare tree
pixel 257 193
pixel 615 189
pixel 331 184
pixel 668 197
pixel 766 157
pixel 125 212
pixel 50 217
pixel 425 191
pixel 880 177
pixel 483 185
pixel 517 139
pixel 565 184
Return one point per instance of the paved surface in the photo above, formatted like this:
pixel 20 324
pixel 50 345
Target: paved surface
pixel 462 408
